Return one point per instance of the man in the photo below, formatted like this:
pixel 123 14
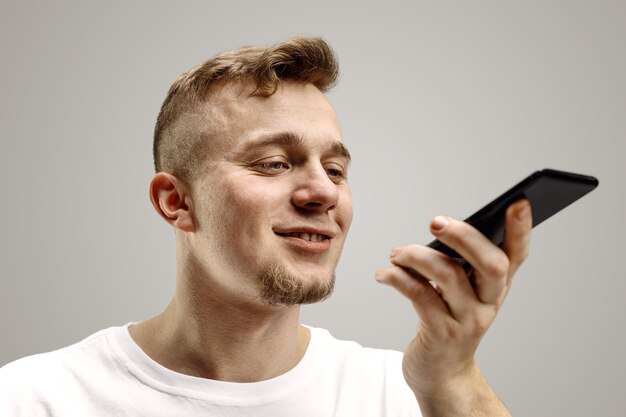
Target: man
pixel 251 173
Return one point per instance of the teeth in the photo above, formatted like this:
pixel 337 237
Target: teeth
pixel 313 237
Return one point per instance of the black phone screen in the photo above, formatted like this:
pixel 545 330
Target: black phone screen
pixel 549 191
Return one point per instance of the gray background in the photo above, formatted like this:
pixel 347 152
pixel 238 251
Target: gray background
pixel 443 105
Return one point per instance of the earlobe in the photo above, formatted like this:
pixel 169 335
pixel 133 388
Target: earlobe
pixel 169 198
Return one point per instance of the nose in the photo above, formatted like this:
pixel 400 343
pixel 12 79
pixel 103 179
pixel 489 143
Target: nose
pixel 315 191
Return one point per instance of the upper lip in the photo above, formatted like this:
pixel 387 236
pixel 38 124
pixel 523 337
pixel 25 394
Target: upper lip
pixel 306 229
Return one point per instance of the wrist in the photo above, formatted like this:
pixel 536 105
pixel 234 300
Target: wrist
pixel 437 384
pixel 462 393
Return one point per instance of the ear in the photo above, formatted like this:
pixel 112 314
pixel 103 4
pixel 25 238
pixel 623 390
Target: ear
pixel 169 197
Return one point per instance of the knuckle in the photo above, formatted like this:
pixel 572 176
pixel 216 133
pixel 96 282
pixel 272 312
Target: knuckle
pixel 499 266
pixel 480 327
pixel 452 333
pixel 450 273
pixel 480 324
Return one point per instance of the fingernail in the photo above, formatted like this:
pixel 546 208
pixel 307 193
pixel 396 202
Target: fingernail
pixel 438 223
pixel 523 212
pixel 394 252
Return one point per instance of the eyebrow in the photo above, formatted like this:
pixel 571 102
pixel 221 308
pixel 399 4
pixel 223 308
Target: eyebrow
pixel 291 139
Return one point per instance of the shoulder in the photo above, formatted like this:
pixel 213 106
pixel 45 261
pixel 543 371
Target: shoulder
pixel 50 374
pixel 42 362
pixel 349 347
pixel 350 357
pixel 373 376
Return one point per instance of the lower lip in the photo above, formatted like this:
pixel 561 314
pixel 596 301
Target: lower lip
pixel 310 246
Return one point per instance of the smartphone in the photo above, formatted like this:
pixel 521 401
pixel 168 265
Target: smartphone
pixel 549 191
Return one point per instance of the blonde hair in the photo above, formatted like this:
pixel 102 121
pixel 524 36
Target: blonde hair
pixel 179 147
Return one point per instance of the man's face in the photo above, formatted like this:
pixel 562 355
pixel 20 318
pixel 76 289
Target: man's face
pixel 272 204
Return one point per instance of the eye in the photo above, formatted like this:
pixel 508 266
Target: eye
pixel 272 166
pixel 335 172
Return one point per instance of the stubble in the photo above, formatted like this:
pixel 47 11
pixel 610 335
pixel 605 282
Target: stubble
pixel 279 287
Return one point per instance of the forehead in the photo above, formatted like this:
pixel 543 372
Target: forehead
pixel 240 119
pixel 238 96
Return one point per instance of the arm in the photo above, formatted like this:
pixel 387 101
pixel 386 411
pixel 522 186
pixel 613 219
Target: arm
pixel 456 310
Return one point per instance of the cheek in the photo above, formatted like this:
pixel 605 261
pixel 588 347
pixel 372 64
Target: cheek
pixel 249 207
pixel 244 199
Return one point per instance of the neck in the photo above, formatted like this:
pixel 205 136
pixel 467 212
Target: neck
pixel 207 336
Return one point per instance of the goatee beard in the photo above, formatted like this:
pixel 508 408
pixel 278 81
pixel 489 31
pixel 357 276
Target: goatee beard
pixel 279 287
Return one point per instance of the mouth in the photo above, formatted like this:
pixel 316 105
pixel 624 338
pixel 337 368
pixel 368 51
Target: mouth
pixel 311 237
pixel 307 240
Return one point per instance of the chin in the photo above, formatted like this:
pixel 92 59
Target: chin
pixel 278 286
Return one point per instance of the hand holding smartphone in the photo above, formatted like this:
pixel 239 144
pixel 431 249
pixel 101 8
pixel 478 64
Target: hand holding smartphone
pixel 548 191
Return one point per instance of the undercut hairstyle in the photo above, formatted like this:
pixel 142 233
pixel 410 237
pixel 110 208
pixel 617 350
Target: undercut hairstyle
pixel 181 133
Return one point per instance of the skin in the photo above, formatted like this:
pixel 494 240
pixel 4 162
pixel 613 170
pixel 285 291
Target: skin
pixel 276 167
pixel 439 363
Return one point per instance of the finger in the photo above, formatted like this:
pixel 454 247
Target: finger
pixel 452 282
pixel 425 299
pixel 490 264
pixel 517 234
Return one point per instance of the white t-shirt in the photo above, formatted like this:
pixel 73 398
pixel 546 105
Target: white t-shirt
pixel 107 374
